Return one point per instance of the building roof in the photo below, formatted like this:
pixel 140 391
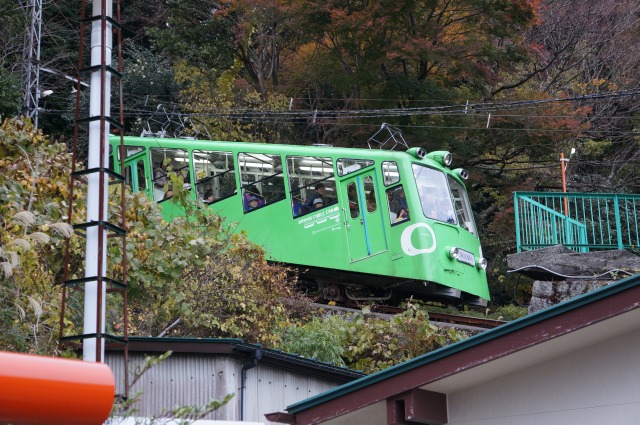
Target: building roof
pixel 569 326
pixel 241 349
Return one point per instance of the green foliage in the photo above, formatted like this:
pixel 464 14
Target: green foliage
pixel 510 312
pixel 148 83
pixel 191 32
pixel 225 289
pixel 10 93
pixel 366 342
pixel 33 192
pixel 204 91
pixel 505 312
pixel 194 269
pixel 322 338
pixel 11 49
pixel 595 148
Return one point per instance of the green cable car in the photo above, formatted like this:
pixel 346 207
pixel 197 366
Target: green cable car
pixel 363 224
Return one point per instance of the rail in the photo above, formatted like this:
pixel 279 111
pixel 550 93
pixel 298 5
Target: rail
pixel 593 221
pixel 456 321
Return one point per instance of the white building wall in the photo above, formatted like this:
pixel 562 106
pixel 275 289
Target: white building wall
pixel 179 380
pixel 195 379
pixel 272 390
pixel 595 386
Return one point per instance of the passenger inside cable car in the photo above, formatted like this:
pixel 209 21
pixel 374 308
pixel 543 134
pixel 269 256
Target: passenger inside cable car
pixel 252 191
pixel 398 204
pixel 317 204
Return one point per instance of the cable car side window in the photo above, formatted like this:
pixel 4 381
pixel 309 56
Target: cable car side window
pixel 397 203
pixel 348 165
pixel 311 182
pixel 129 150
pixel 462 206
pixel 262 180
pixel 390 174
pixel 163 161
pixel 215 175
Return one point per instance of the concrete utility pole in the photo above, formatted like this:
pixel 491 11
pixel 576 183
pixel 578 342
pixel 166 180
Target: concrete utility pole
pixel 100 181
pixel 97 193
pixel 31 60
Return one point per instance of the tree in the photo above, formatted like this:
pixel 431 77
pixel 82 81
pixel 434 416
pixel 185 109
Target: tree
pixel 200 255
pixel 193 34
pixel 11 46
pixel 33 193
pixel 587 48
pixel 226 288
pixel 224 109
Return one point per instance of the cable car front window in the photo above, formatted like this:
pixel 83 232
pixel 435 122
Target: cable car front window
pixel 434 194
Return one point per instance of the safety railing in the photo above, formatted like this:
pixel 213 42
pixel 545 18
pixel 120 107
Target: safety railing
pixel 593 221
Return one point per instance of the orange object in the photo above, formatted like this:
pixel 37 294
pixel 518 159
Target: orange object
pixel 47 390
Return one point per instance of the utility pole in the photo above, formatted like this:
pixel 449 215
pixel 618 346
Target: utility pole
pixel 563 164
pixel 31 60
pixel 101 184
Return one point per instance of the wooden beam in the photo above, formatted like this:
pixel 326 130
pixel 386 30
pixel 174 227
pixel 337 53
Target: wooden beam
pixel 417 407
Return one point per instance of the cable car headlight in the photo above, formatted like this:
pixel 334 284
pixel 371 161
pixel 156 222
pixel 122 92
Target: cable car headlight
pixel 454 253
pixel 482 264
pixel 464 174
pixel 417 152
pixel 447 159
pixel 443 157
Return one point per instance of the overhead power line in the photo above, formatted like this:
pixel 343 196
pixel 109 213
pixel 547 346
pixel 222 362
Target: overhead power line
pixel 494 110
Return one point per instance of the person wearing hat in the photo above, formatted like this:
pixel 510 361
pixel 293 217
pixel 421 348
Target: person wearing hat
pixel 253 203
pixel 318 194
pixel 251 191
pixel 318 203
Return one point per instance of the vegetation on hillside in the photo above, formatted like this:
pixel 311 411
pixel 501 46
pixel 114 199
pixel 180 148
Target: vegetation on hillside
pixel 190 277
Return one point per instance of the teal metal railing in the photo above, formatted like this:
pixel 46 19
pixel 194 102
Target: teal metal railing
pixel 594 221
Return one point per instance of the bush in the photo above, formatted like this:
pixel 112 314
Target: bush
pixel 366 342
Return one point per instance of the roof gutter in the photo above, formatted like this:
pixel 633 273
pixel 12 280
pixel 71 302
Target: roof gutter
pixel 256 355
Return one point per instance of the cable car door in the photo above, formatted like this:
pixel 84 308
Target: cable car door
pixel 362 215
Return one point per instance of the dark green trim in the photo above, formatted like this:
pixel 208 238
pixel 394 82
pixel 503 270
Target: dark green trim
pixel 239 348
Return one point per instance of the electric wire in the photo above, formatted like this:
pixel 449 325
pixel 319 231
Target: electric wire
pixel 610 273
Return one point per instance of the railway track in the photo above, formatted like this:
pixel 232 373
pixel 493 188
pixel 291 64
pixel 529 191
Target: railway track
pixel 469 323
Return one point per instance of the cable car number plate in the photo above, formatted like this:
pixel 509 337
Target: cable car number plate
pixel 466 257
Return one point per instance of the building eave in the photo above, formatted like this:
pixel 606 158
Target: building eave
pixel 239 348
